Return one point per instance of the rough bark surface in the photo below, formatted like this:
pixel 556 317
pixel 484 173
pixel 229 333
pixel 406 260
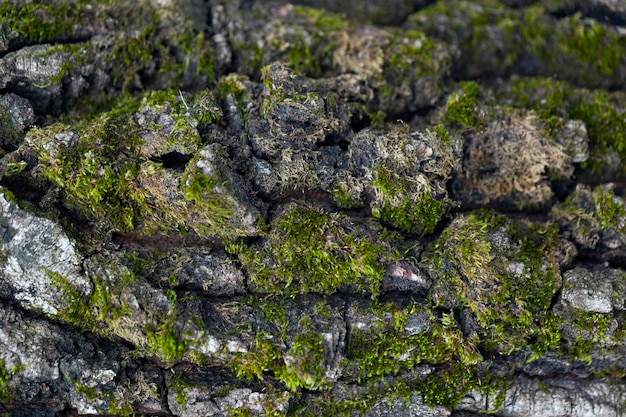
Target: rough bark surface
pixel 379 208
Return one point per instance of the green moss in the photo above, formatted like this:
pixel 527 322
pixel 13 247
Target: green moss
pixel 305 366
pixel 608 211
pixel 195 45
pixel 240 412
pixel 443 134
pixel 591 335
pixel 103 170
pixel 121 409
pixel 344 199
pixel 409 51
pixel 178 383
pixel 410 207
pixel 132 54
pixel 510 299
pixel 302 60
pixel 215 206
pixel 101 311
pixel 6 393
pixel 106 311
pixel 94 179
pixel 460 107
pixel 184 57
pixel 492 39
pixel 39 22
pixel 262 356
pixel 205 108
pixel 309 250
pixel 322 19
pixel 90 392
pixel 165 341
pixel 606 126
pixel 589 43
pixel 600 111
pixel 232 84
pixel 178 56
pixel 377 119
pixel 386 350
pixel 275 312
pixel 296 359
pixel 304 56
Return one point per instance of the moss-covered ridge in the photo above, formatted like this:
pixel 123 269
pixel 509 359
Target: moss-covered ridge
pixel 97 53
pixel 310 251
pixel 601 111
pixel 120 169
pixel 500 40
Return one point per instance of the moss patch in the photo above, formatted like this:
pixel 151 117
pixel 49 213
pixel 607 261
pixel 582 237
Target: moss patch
pixel 610 210
pixel 84 161
pixel 381 357
pixel 310 251
pixel 587 213
pixel 5 376
pixel 111 310
pixel 599 110
pixel 506 274
pixel 408 51
pixel 111 171
pixel 297 360
pixel 39 22
pixel 460 107
pixel 496 40
pixel 408 205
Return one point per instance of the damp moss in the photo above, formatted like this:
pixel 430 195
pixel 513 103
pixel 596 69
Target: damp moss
pixel 194 44
pixel 344 198
pixel 589 335
pixel 304 367
pixel 316 41
pixel 588 43
pixel 301 58
pixel 305 42
pixel 587 211
pixel 163 338
pixel 102 166
pixel 214 206
pixel 323 20
pixel 260 358
pixel 310 251
pixel 178 383
pixel 151 54
pixel 410 50
pixel 497 40
pixel 294 352
pixel 98 311
pixel 385 348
